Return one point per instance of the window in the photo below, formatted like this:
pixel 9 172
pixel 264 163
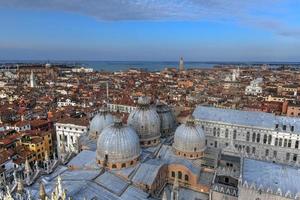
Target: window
pixel 292 128
pixel 289 143
pixel 269 139
pixel 287 156
pixel 258 138
pixel 248 136
pixel 173 174
pixel 267 152
pixel 284 127
pixel 234 134
pixel 276 141
pixel 265 139
pixel 274 154
pixel 114 166
pixel 297 144
pixel 253 137
pixel 277 125
pixel 226 133
pixel 226 180
pixel 218 132
pixel 123 165
pixel 248 149
pixel 216 144
pixel 186 177
pixel 285 142
pixel 180 175
pixel 295 157
pixel 253 150
pixel 280 141
pixel 214 131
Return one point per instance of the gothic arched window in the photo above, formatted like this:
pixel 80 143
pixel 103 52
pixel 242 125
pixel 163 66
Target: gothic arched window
pixel 186 177
pixel 180 175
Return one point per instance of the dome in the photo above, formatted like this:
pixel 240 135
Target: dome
pixel 167 119
pixel 100 121
pixel 145 120
pixel 189 140
pixel 118 145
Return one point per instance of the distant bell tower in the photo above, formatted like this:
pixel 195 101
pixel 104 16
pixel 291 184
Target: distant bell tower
pixel 32 80
pixel 181 64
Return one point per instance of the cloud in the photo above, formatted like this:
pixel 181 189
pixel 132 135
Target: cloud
pixel 241 11
pixel 141 9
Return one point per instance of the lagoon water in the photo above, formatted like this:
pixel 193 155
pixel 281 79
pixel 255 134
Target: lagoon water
pixel 147 65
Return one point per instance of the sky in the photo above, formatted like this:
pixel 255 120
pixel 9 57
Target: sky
pixel 150 30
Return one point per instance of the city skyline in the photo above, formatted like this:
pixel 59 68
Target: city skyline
pixel 147 30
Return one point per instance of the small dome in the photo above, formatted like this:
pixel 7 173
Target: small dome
pixel 189 138
pixel 167 119
pixel 100 121
pixel 145 120
pixel 118 144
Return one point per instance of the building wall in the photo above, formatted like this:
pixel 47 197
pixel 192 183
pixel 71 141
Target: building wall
pixel 293 111
pixel 69 134
pixel 221 196
pixel 266 144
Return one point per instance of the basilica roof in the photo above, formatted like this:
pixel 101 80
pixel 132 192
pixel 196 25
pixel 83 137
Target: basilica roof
pixel 119 143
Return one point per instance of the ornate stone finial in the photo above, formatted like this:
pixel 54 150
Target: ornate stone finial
pixel 269 190
pixel 288 194
pixel 36 164
pixel 15 175
pixel 54 155
pixel 279 192
pixel 253 186
pixel 245 185
pixel 164 197
pixel 59 186
pixel 64 195
pixel 8 195
pixel 20 186
pixel 47 156
pixel 42 192
pixel 27 166
pixel 63 148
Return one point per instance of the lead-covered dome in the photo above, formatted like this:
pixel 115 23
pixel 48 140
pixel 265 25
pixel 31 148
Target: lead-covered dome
pixel 189 140
pixel 167 119
pixel 100 121
pixel 118 146
pixel 145 120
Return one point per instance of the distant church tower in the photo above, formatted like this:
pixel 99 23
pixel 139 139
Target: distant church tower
pixel 181 64
pixel 32 80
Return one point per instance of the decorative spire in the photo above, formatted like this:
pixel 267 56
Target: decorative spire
pixel 47 156
pixel 20 186
pixel 36 165
pixel 175 190
pixel 27 166
pixel 59 186
pixel 8 195
pixel 42 192
pixel 164 197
